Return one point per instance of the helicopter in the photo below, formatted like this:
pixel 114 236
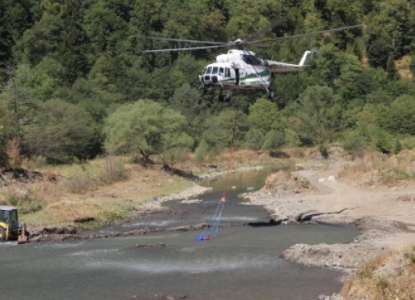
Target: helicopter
pixel 241 69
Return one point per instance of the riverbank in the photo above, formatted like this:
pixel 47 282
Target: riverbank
pixel 322 192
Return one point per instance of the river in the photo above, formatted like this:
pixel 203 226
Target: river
pixel 241 263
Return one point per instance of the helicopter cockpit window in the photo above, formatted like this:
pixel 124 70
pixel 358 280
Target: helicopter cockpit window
pixel 215 70
pixel 251 60
pixel 209 70
pixel 221 71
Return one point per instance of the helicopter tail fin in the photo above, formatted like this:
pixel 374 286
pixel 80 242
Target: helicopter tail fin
pixel 304 58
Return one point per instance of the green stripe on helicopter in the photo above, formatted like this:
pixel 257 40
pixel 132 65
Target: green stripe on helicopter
pixel 250 76
pixel 255 75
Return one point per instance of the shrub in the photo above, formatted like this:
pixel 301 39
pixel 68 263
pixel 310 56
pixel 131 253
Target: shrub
pixel 176 155
pixel 383 142
pixel 354 143
pixel 324 151
pixel 254 139
pixel 80 183
pixel 274 139
pixel 114 170
pixel 26 201
pixel 201 151
pixel 291 138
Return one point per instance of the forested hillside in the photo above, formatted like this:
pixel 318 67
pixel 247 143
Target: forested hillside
pixel 75 82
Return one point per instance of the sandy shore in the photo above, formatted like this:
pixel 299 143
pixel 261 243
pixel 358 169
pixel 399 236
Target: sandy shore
pixel 384 216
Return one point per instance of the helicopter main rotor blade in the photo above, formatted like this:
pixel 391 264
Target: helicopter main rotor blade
pixel 265 29
pixel 181 40
pixel 306 34
pixel 186 49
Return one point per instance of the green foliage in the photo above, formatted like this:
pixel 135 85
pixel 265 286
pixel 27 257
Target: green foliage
pixel 291 138
pixel 188 102
pixel 254 139
pixel 26 201
pixel 90 54
pixel 354 142
pixel 219 129
pixel 263 116
pixel 62 131
pixel 400 117
pixel 145 127
pixel 202 151
pixel 384 142
pixel 274 139
pixel 313 111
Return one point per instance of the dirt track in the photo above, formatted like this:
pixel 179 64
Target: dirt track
pixel 384 216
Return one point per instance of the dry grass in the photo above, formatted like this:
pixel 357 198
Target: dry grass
pixel 109 188
pixel 376 168
pixel 390 276
pixel 104 189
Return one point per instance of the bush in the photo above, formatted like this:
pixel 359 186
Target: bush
pixel 384 142
pixel 80 183
pixel 201 151
pixel 26 201
pixel 114 170
pixel 354 143
pixel 324 151
pixel 176 155
pixel 254 139
pixel 274 139
pixel 291 138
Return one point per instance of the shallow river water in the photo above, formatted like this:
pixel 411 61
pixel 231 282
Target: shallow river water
pixel 242 263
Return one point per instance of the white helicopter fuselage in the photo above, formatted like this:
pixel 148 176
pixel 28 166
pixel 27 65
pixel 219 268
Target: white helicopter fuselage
pixel 240 69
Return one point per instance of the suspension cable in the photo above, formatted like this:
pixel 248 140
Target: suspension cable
pixel 212 229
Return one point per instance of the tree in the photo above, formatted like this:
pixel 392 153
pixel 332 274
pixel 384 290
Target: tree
pixel 58 34
pixel 188 102
pixel 391 69
pixel 219 128
pixel 388 28
pixel 400 117
pixel 145 127
pixel 274 139
pixel 15 18
pixel 105 27
pixel 60 132
pixel 313 110
pixel 263 116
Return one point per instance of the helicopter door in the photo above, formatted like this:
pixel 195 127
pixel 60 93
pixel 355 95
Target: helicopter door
pixel 241 76
pixel 237 76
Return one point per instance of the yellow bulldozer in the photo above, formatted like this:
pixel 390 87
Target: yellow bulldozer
pixel 10 228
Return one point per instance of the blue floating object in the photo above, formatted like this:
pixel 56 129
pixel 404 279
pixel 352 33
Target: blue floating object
pixel 200 238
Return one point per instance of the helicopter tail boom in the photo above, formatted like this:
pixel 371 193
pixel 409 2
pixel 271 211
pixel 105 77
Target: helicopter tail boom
pixel 304 58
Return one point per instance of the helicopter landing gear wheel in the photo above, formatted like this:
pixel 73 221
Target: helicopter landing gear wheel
pixel 225 97
pixel 270 93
